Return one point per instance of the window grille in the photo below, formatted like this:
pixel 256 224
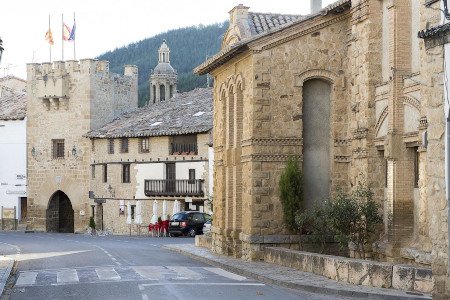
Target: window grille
pixel 58 149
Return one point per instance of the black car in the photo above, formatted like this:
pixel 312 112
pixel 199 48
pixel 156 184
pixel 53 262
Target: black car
pixel 188 223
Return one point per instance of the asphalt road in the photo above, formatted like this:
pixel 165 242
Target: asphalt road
pixel 77 266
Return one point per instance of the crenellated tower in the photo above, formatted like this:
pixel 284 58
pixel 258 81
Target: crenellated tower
pixel 64 101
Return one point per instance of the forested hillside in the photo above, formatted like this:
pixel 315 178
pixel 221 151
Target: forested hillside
pixel 188 48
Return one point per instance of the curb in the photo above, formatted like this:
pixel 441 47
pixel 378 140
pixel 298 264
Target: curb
pixel 299 286
pixel 5 276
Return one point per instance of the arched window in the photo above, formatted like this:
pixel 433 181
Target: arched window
pixel 171 91
pixel 316 140
pixel 162 92
pixel 164 57
pixel 154 93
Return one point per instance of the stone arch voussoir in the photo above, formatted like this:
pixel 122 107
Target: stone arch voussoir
pixel 326 75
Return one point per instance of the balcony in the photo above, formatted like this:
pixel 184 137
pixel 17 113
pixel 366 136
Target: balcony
pixel 183 149
pixel 176 188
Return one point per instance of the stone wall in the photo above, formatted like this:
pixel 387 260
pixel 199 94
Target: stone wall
pixel 382 102
pixel 59 99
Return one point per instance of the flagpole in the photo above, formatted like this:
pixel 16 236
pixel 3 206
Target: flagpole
pixel 62 37
pixel 74 37
pixel 49 44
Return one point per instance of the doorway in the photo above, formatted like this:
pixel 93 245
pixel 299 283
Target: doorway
pixel 59 214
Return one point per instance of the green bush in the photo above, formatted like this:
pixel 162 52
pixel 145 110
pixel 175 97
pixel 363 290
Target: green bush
pixel 91 223
pixel 349 218
pixel 316 225
pixel 291 192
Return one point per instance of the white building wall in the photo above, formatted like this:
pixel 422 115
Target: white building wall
pixel 13 166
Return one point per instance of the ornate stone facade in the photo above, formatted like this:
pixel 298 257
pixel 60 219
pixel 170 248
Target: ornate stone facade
pixel 384 90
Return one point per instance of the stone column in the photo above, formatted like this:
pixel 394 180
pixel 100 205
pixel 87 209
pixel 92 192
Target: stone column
pixel 400 164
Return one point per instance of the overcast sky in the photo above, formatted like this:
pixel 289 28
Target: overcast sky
pixel 103 25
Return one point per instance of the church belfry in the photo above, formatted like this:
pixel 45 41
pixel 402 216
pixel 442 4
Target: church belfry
pixel 163 80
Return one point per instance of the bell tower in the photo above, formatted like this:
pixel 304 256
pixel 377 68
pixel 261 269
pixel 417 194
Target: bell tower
pixel 163 80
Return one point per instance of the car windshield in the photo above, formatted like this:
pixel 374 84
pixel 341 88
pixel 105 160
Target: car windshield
pixel 207 217
pixel 178 217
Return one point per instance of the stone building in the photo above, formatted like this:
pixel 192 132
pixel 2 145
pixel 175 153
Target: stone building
pixel 158 152
pixel 64 101
pixel 163 80
pixel 351 91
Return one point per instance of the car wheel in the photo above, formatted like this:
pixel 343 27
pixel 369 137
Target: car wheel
pixel 192 232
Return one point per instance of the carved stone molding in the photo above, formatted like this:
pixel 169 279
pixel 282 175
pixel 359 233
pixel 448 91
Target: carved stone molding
pixel 360 153
pixel 423 123
pixel 341 142
pixel 342 158
pixel 314 73
pixel 269 157
pixel 412 101
pixel 273 142
pixel 360 133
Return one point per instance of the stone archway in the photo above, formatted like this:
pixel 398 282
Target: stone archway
pixel 59 214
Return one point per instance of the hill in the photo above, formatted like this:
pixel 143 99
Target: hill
pixel 188 48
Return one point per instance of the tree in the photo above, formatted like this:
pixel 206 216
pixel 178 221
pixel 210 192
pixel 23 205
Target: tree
pixel 92 223
pixel 291 192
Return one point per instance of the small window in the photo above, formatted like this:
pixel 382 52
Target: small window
pixel 132 211
pixel 105 173
pixel 58 149
pixel 144 145
pixel 93 171
pixel 191 176
pixel 416 167
pixel 93 211
pixel 110 146
pixel 124 145
pixel 126 173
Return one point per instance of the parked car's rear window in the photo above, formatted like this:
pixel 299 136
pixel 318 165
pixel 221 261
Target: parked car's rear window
pixel 197 217
pixel 207 217
pixel 178 217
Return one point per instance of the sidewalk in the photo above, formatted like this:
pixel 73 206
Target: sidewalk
pixel 6 266
pixel 291 278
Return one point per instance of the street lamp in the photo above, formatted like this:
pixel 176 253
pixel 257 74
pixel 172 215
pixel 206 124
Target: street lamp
pixel 1 49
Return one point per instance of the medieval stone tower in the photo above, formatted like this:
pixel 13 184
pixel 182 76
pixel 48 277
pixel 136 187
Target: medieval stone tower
pixel 163 81
pixel 65 101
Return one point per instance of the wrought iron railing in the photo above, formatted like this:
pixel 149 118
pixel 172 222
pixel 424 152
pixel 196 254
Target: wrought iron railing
pixel 183 149
pixel 167 187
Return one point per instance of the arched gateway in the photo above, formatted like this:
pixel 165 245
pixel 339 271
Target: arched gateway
pixel 59 214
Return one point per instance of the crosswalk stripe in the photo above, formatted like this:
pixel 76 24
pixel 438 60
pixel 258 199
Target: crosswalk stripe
pixel 116 273
pixel 185 273
pixel 107 274
pixel 69 275
pixel 150 272
pixel 226 274
pixel 27 278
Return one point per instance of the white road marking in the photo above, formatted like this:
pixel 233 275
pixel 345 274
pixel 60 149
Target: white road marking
pixel 150 272
pixel 107 274
pixel 186 273
pixel 27 278
pixel 226 274
pixel 204 283
pixel 67 276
